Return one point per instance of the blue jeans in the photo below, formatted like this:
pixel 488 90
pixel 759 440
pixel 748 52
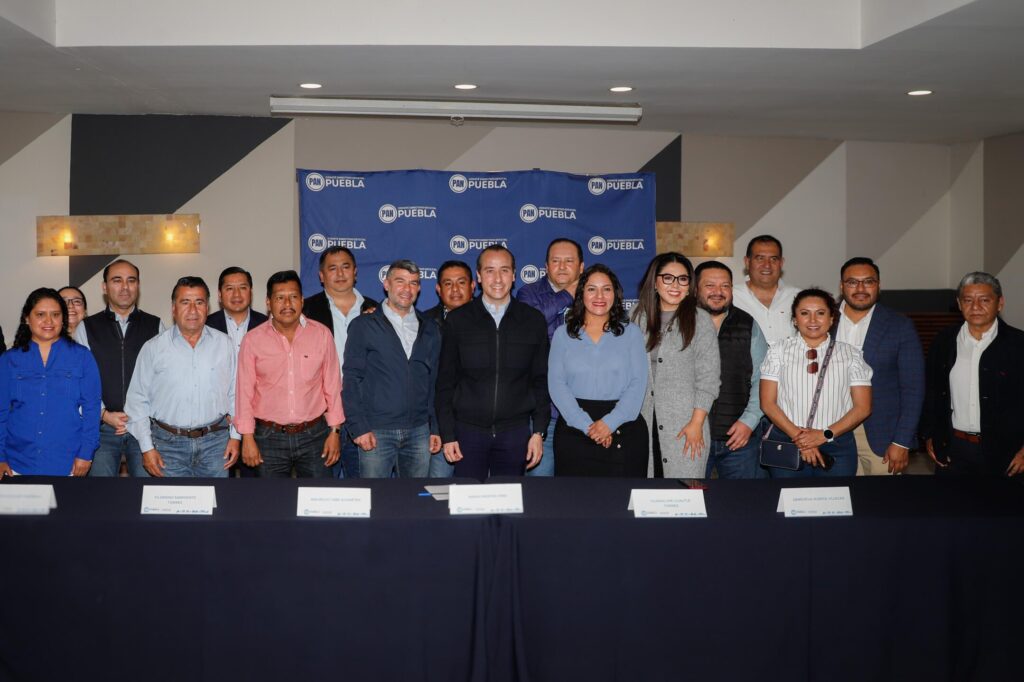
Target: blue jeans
pixel 547 462
pixel 439 467
pixel 843 448
pixel 404 450
pixel 106 461
pixel 192 457
pixel 348 464
pixel 739 463
pixel 301 451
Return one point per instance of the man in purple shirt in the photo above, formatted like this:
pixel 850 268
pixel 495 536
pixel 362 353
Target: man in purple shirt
pixel 552 296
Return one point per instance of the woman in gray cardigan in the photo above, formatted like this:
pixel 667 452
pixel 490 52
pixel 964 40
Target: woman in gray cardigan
pixel 684 368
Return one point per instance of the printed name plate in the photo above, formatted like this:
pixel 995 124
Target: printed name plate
pixel 27 499
pixel 499 498
pixel 196 500
pixel 334 502
pixel 795 502
pixel 653 504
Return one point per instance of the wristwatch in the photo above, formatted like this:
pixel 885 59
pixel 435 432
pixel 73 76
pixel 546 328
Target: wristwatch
pixel 335 429
pixel 543 435
pixel 829 436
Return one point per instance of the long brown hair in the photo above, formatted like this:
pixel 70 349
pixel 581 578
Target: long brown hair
pixel 649 306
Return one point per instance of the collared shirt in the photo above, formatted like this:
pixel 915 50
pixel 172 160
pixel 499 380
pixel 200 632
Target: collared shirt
pixel 549 300
pixel 852 332
pixel 406 327
pixel 786 364
pixel 341 321
pixel 775 321
pixel 496 311
pixel 288 383
pixel 82 337
pixel 179 385
pixel 237 331
pixel 49 414
pixel 964 389
pixel 614 368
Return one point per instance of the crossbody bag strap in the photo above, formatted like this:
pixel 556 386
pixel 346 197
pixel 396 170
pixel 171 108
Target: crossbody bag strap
pixel 821 381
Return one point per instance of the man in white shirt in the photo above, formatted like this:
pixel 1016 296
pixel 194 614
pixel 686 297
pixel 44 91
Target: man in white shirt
pixel 891 347
pixel 763 295
pixel 974 401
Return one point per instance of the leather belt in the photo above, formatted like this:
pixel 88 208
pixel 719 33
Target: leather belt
pixel 191 433
pixel 290 428
pixel 967 436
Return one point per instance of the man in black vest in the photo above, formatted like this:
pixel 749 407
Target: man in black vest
pixel 115 337
pixel 735 415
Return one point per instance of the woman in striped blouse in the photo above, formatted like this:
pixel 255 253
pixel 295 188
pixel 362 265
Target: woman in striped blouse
pixel 789 377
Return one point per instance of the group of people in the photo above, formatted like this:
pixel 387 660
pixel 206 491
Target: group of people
pixel 560 379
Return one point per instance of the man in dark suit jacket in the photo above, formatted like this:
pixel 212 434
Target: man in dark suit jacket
pixel 891 347
pixel 335 307
pixel 234 292
pixel 972 422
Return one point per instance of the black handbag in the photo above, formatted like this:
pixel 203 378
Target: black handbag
pixel 784 454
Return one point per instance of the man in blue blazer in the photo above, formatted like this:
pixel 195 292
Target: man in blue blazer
pixel 891 347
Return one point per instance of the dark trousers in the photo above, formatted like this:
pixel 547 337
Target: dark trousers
pixel 496 454
pixel 577 455
pixel 283 452
pixel 970 459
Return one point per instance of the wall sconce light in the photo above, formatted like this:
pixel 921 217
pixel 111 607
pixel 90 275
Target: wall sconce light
pixel 105 235
pixel 696 239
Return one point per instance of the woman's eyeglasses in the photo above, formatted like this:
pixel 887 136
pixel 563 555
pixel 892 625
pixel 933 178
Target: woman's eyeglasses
pixel 812 354
pixel 669 280
pixel 74 302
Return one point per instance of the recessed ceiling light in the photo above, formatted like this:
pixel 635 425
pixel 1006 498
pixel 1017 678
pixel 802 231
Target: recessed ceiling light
pixel 919 93
pixel 310 86
pixel 621 88
pixel 465 86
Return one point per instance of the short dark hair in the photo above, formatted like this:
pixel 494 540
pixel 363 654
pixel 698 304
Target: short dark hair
pixel 454 264
pixel 85 302
pixel 763 239
pixel 500 248
pixel 860 260
pixel 564 240
pixel 106 270
pixel 189 282
pixel 710 265
pixel 331 250
pixel 283 277
pixel 233 270
pixel 816 292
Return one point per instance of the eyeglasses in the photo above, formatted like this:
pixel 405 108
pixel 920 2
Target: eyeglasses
pixel 812 354
pixel 669 280
pixel 868 283
pixel 76 302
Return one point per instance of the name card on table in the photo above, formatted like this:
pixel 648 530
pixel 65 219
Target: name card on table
pixel 666 504
pixel 835 501
pixel 352 503
pixel 27 499
pixel 498 498
pixel 195 500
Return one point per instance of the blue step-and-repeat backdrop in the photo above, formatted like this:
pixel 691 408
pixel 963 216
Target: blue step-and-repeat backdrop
pixel 434 216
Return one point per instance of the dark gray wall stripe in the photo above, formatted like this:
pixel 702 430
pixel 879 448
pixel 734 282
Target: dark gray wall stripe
pixel 667 165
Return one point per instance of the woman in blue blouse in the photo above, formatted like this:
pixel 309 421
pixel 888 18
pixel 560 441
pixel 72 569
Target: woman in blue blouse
pixel 49 395
pixel 597 376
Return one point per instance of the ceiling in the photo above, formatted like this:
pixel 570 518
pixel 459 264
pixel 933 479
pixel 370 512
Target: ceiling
pixel 972 57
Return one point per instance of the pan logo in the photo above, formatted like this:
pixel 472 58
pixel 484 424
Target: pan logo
pixel 459 183
pixel 383 272
pixel 317 243
pixel 529 274
pixel 597 245
pixel 529 213
pixel 315 182
pixel 460 245
pixel 597 186
pixel 389 213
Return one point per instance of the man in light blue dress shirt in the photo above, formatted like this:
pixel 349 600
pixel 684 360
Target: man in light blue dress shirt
pixel 182 393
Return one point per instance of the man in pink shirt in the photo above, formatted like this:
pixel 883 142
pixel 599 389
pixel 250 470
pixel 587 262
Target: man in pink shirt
pixel 288 398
